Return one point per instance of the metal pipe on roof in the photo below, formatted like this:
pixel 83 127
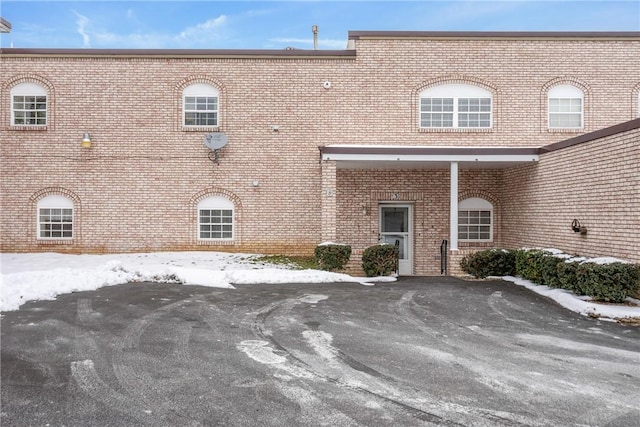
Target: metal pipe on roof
pixel 314 29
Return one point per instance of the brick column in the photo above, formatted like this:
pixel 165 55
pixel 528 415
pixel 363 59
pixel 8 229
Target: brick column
pixel 328 201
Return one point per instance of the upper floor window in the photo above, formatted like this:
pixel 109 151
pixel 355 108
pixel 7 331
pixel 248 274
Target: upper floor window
pixel 28 105
pixel 456 106
pixel 200 105
pixel 215 218
pixel 55 218
pixel 566 107
pixel 475 220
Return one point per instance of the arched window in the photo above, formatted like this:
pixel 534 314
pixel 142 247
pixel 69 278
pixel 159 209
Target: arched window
pixel 566 107
pixel 215 218
pixel 200 105
pixel 456 106
pixel 28 105
pixel 475 220
pixel 55 218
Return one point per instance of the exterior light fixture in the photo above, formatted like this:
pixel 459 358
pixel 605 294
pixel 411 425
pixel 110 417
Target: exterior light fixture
pixel 255 183
pixel 86 140
pixel 578 228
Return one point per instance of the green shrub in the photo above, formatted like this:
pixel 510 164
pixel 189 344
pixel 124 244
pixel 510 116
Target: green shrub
pixel 549 274
pixel 491 262
pixel 608 282
pixel 603 282
pixel 530 264
pixel 567 276
pixel 332 256
pixel 380 260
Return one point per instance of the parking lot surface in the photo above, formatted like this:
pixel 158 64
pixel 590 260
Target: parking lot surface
pixel 421 351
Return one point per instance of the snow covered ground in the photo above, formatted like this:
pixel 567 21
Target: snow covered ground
pixel 43 276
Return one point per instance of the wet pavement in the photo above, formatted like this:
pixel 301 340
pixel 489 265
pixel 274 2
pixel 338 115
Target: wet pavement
pixel 421 351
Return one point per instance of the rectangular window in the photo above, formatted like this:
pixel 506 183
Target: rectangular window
pixel 455 113
pixel 474 112
pixel 436 112
pixel 55 223
pixel 565 113
pixel 201 111
pixel 29 110
pixel 474 225
pixel 216 224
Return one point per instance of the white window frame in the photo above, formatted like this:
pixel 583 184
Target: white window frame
pixel 454 97
pixel 564 101
pixel 29 95
pixel 200 99
pixel 475 209
pixel 219 208
pixel 55 215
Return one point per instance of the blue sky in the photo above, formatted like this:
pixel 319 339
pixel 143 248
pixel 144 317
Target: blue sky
pixel 280 24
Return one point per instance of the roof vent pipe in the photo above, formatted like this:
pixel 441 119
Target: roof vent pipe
pixel 314 29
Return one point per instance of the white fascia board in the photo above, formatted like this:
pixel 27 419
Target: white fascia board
pixel 464 147
pixel 525 158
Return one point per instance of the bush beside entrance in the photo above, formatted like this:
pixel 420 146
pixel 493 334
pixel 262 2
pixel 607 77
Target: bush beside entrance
pixel 380 260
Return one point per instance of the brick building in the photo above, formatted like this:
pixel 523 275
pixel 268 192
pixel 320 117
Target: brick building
pixel 479 139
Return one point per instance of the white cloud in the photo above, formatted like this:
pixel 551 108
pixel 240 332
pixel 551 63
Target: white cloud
pixel 195 36
pixel 203 32
pixel 132 41
pixel 82 22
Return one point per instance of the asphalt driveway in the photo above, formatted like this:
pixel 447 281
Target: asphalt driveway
pixel 422 351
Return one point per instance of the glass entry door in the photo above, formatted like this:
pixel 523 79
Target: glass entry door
pixel 396 228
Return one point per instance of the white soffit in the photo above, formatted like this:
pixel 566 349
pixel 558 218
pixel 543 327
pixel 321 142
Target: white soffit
pixel 421 157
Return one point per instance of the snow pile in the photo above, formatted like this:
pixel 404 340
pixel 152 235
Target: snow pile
pixel 573 258
pixel 581 305
pixel 43 276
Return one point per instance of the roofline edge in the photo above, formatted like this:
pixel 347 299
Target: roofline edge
pixel 592 136
pixel 591 35
pixel 179 53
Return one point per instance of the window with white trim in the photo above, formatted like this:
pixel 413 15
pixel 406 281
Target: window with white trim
pixel 55 218
pixel 475 220
pixel 200 105
pixel 215 218
pixel 28 105
pixel 456 106
pixel 565 106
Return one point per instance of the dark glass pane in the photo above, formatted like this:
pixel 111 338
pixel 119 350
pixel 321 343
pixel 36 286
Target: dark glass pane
pixel 394 220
